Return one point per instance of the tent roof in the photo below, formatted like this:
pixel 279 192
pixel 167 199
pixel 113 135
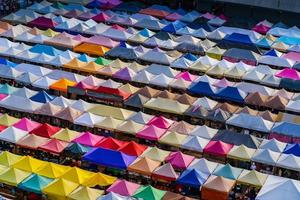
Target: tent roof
pixel 149 193
pixel 52 170
pixel 192 178
pixel 13 176
pixel 218 183
pixel 29 164
pixel 227 171
pixel 179 160
pixel 45 130
pixel 252 177
pixel 35 183
pixel 123 187
pixel 203 165
pixel 85 193
pixel 218 148
pixel 165 172
pixel 155 153
pixel 144 166
pixel 8 159
pixel 60 188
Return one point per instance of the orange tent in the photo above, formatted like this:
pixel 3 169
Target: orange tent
pixel 62 85
pixel 91 67
pixel 91 49
pixel 144 166
pixel 75 63
pixel 216 187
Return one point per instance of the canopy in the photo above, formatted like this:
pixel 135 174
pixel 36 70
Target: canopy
pixel 99 179
pixel 34 183
pixel 89 139
pixel 54 146
pixel 12 134
pixel 8 159
pixel 117 159
pixel 151 132
pixel 266 156
pixel 252 177
pixel 62 85
pixel 241 153
pixel 60 188
pixel 13 176
pixel 155 153
pixel 179 160
pixel 29 164
pixel 165 172
pixel 123 187
pixel 32 141
pixel 203 165
pixel 144 166
pixel 192 178
pixel 217 148
pixel 149 193
pixel 85 193
pixel 52 170
pixel 45 130
pixel 77 175
pixel 227 171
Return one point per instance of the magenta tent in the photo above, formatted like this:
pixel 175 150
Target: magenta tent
pixel 208 15
pixel 103 41
pixel 123 187
pixel 217 148
pixel 292 56
pixel 261 29
pixel 26 124
pixel 43 22
pixel 151 133
pixel 179 160
pixel 101 17
pixel 288 73
pixel 173 17
pixel 186 76
pixel 124 74
pixel 88 139
pixel 161 122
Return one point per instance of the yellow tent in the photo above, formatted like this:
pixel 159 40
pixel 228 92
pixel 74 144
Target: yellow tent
pixel 91 67
pixel 29 164
pixel 52 170
pixel 109 123
pixel 8 159
pixel 77 175
pixel 75 63
pixel 166 105
pixel 66 135
pixel 60 188
pixel 85 193
pixel 172 138
pixel 100 179
pixel 216 71
pixel 215 52
pixel 235 72
pixel 129 88
pixel 198 66
pixel 62 85
pixel 50 33
pixel 6 120
pixel 13 176
pixel 3 168
pixel 118 64
pixel 114 112
pixel 252 177
pixel 241 153
pixel 155 153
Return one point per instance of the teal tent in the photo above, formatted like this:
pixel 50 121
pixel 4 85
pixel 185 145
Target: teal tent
pixel 35 183
pixel 227 171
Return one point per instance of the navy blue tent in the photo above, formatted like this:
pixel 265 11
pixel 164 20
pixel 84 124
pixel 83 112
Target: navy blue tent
pixel 122 53
pixel 238 38
pixel 290 83
pixel 232 94
pixel 174 26
pixel 192 178
pixel 109 158
pixel 292 149
pixel 202 88
pixel 42 97
pixel 272 52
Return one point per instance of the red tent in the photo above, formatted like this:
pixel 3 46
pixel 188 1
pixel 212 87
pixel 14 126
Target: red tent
pixel 54 146
pixel 133 149
pixel 154 12
pixel 114 92
pixel 217 148
pixel 101 17
pixel 45 130
pixel 111 143
pixel 43 22
pixel 89 139
pixel 2 128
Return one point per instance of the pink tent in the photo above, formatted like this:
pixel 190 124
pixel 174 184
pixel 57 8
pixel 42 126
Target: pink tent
pixel 179 160
pixel 123 187
pixel 89 139
pixel 222 83
pixel 104 41
pixel 217 148
pixel 261 29
pixel 26 124
pixel 80 38
pixel 222 16
pixel 161 122
pixel 208 15
pixel 151 132
pixel 288 73
pixel 292 56
pixel 186 76
pixel 173 17
pixel 101 17
pixel 2 96
pixel 54 146
pixel 118 27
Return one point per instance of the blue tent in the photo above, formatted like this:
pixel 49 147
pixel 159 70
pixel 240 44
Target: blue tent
pixel 74 6
pixel 198 25
pixel 289 40
pixel 280 25
pixel 42 97
pixel 287 128
pixel 192 178
pixel 273 52
pixel 6 62
pixel 94 4
pixel 238 38
pixel 232 94
pixel 292 149
pixel 202 88
pixel 85 58
pixel 109 158
pixel 35 183
pixel 174 26
pixel 263 43
pixel 77 148
pixel 145 32
pixel 49 50
pixel 190 56
pixel 131 7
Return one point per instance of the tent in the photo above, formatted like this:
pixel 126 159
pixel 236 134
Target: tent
pixel 43 22
pixel 292 149
pixel 217 187
pixel 288 161
pixel 232 94
pixel 286 128
pixel 149 193
pixel 179 160
pixel 13 176
pixel 123 187
pixel 88 139
pixel 52 170
pixel 66 135
pixel 12 134
pixel 227 171
pixel 54 146
pixel 202 88
pixel 173 139
pixel 32 141
pixel 238 38
pixel 236 54
pixel 117 159
pixel 6 120
pixel 29 164
pixel 144 166
pixel 217 148
pixel 203 165
pixel 273 145
pixel 111 143
pixel 132 148
pixel 85 193
pixel 151 132
pixel 34 183
pixel 266 156
pixel 192 178
pixel 45 130
pixel 165 172
pixel 77 175
pixel 241 152
pixel 60 188
pixel 155 153
pixel 99 179
pixel 252 177
pixel 8 159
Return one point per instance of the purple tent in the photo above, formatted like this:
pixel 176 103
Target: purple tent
pixel 124 74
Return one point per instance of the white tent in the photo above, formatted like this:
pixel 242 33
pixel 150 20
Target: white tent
pixel 216 35
pixel 271 80
pixel 157 57
pixel 200 33
pixel 180 83
pixel 293 106
pixel 143 77
pixel 82 105
pixel 34 69
pixel 69 54
pixel 113 196
pixel 278 188
pixel 12 134
pixel 252 88
pixel 88 119
pixel 248 121
pixel 11 52
pixel 289 161
pixel 26 55
pixel 194 143
pixel 62 101
pixel 141 117
pixel 24 92
pixel 276 61
pixel 92 80
pixel 25 36
pixel 161 69
pixel 39 39
pixel 254 75
pixel 116 34
pixel 5 44
pixel 273 145
pixel 110 84
pixel 17 103
pixel 203 165
pixel 185 31
pixel 204 132
pixel 27 78
pixel 266 156
pixel 161 80
pixel 43 82
pixel 97 29
pixel 182 63
pixel 58 61
pixel 9 73
pixel 42 58
pixel 205 103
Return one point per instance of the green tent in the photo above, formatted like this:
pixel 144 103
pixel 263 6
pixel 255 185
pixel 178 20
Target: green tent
pixel 77 148
pixel 227 171
pixel 149 193
pixel 7 89
pixel 35 183
pixel 102 61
